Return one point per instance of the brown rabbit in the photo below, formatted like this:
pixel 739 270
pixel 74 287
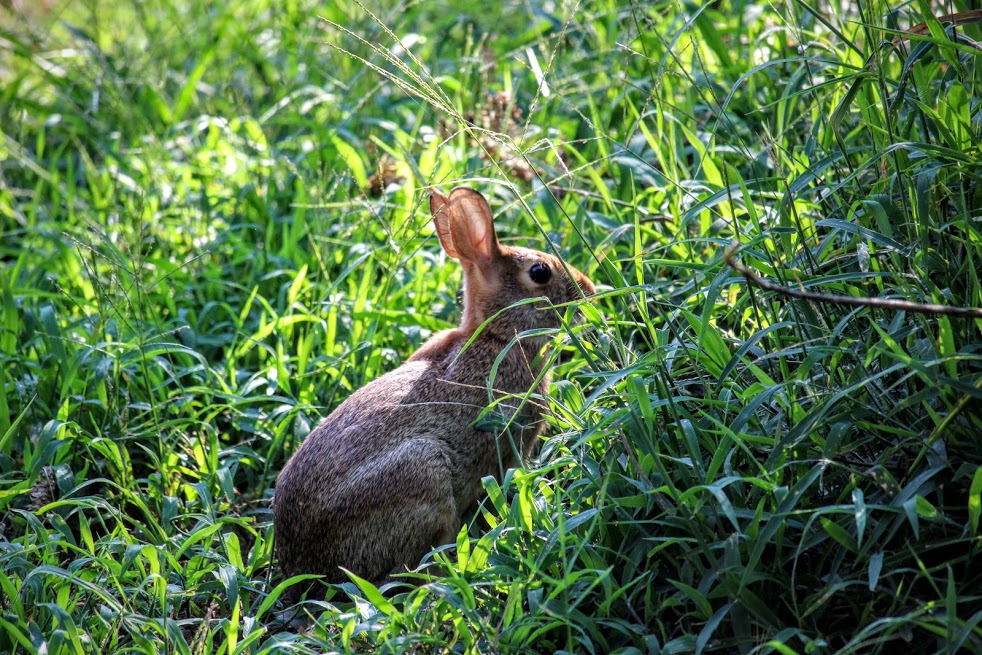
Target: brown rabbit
pixel 391 472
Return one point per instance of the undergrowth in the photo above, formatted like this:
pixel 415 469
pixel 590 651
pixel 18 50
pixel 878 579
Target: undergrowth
pixel 214 229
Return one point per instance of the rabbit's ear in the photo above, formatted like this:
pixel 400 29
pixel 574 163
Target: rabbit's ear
pixel 440 209
pixel 471 228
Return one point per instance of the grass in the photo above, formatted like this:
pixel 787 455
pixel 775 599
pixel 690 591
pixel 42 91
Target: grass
pixel 214 229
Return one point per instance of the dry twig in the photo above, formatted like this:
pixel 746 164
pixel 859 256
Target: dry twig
pixel 881 303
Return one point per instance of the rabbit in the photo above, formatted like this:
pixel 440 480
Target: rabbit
pixel 393 471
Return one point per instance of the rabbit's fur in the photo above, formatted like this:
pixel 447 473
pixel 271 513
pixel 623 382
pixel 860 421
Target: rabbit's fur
pixel 391 472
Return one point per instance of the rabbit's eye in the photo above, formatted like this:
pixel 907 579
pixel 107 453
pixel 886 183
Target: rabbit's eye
pixel 540 273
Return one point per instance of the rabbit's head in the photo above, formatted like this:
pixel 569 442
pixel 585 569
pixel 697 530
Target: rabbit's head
pixel 496 276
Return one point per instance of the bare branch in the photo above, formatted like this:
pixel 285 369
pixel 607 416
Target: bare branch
pixel 882 303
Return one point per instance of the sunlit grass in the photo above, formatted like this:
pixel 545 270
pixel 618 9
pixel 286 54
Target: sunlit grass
pixel 214 229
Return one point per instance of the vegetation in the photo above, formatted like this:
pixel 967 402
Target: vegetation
pixel 213 229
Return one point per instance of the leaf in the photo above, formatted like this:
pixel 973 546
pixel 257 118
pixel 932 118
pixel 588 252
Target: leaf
pixel 463 548
pixel 233 551
pixel 925 509
pixel 228 576
pixel 975 501
pixel 710 628
pixel 296 285
pixel 910 510
pixel 352 160
pixel 7 436
pixel 873 569
pixel 578 519
pixel 373 595
pixel 18 634
pixel 946 339
pixel 188 91
pixel 860 514
pixel 481 551
pixel 838 533
pixel 695 596
pixel 279 589
pixel 525 503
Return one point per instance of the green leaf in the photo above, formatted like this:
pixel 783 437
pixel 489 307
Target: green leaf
pixel 925 509
pixel 190 87
pixel 910 509
pixel 859 503
pixel 709 629
pixel 975 501
pixel 873 570
pixel 373 595
pixel 278 590
pixel 352 161
pixel 838 533
pixel 17 633
pixel 7 436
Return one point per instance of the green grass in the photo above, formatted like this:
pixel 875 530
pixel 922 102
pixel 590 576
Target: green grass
pixel 214 229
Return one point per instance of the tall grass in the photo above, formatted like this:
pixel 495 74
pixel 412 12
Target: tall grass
pixel 213 231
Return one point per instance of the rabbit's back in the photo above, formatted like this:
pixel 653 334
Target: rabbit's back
pixel 413 431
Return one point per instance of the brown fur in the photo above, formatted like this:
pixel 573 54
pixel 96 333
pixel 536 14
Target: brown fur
pixel 390 473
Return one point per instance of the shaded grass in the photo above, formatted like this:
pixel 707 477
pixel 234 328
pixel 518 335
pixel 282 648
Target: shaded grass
pixel 197 264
